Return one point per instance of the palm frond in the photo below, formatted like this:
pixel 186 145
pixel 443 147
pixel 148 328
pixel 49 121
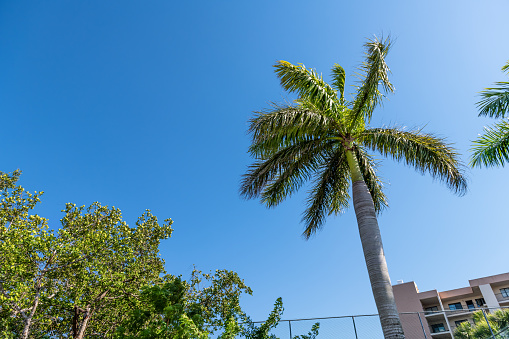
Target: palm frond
pixel 338 81
pixel 304 159
pixel 505 68
pixel 282 126
pixel 307 84
pixel 368 167
pixel 329 193
pixel 492 148
pixel 282 173
pixel 495 100
pixel 424 152
pixel 374 71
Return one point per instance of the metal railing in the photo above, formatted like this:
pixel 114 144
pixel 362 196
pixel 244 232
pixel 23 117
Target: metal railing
pixel 415 324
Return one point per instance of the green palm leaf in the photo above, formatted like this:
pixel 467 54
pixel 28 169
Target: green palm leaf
pixel 338 81
pixel 495 101
pixel 374 71
pixel 308 85
pixel 281 174
pixel 304 159
pixel 424 152
pixel 329 192
pixel 283 126
pixel 492 148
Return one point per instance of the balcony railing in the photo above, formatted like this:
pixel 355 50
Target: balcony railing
pixel 428 313
pixel 441 329
pixel 472 308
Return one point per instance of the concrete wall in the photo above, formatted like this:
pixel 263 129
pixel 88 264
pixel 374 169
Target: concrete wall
pixel 407 300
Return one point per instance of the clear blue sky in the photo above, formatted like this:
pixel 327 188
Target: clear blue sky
pixel 144 104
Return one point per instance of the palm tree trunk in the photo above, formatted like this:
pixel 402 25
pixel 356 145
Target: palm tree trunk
pixel 374 254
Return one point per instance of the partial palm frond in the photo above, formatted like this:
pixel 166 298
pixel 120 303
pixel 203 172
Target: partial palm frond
pixel 374 71
pixel 368 167
pixel 282 126
pixel 283 173
pixel 495 100
pixel 492 148
pixel 338 81
pixel 505 68
pixel 329 193
pixel 308 85
pixel 304 159
pixel 424 152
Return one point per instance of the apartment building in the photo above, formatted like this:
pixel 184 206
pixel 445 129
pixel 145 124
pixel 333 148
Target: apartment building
pixel 443 311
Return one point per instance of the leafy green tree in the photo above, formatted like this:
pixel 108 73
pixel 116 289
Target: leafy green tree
pixel 26 260
pixel 177 309
pixel 325 138
pixel 79 280
pixel 492 148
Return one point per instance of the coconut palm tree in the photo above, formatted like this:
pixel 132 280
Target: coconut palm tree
pixel 324 138
pixel 492 148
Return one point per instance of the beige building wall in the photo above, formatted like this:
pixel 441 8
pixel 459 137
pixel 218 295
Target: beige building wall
pixel 409 299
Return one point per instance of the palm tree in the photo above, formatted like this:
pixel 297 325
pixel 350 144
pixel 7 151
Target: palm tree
pixel 324 138
pixel 492 148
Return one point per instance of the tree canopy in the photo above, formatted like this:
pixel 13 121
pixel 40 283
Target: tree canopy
pixel 80 278
pixel 97 277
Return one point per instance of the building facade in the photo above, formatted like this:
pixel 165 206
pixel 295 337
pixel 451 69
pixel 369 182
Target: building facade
pixel 443 311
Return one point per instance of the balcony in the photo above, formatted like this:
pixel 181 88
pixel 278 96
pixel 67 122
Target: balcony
pixel 432 311
pixel 441 335
pixel 430 315
pixel 439 331
pixel 502 297
pixel 464 311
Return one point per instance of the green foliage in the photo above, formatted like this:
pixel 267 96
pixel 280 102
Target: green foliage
pixel 174 308
pixel 492 148
pixel 498 321
pixel 373 72
pixel 177 309
pixel 96 277
pixel 252 331
pixel 495 100
pixel 165 312
pixel 310 141
pixel 311 334
pixel 423 151
pixel 82 278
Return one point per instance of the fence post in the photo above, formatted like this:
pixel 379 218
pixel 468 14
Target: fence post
pixel 487 322
pixel 423 330
pixel 354 328
pixel 290 325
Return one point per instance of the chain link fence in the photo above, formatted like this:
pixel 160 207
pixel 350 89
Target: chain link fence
pixel 417 325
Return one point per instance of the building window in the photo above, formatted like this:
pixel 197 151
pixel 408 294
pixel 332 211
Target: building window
pixel 438 328
pixel 480 302
pixel 457 322
pixel 470 305
pixel 455 306
pixel 430 310
pixel 505 292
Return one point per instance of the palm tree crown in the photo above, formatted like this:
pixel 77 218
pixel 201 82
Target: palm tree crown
pixel 492 148
pixel 311 140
